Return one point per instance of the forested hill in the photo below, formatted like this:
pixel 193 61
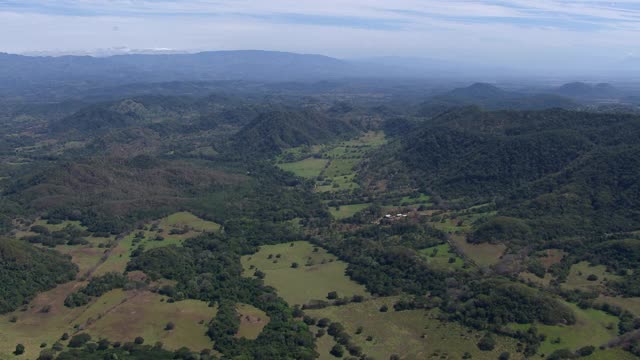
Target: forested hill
pixel 492 98
pixel 274 131
pixel 577 165
pixel 26 271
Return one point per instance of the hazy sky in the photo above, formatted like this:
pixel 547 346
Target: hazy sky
pixel 504 31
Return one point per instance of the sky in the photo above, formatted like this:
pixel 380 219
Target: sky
pixel 531 32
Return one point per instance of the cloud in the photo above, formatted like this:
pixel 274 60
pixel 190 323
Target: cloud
pixel 500 31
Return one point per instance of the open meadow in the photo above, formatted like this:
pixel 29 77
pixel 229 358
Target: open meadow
pixel 316 274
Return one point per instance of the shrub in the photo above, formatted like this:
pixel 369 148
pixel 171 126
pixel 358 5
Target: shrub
pixel 79 340
pixel 487 343
pixel 337 351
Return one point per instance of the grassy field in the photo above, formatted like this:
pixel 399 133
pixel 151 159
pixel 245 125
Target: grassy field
pixel 482 255
pixel 347 211
pixel 117 316
pixel 318 272
pixel 631 304
pixel 610 354
pixel 414 201
pixel 252 321
pixel 439 257
pixel 182 219
pixel 144 314
pixel 309 168
pixel 334 163
pixel 590 329
pixel 577 278
pixel 414 334
pixel 527 276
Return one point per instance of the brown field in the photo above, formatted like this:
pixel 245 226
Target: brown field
pixel 483 255
pixel 252 321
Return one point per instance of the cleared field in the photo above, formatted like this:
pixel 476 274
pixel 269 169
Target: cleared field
pixel 182 219
pixel 481 254
pixel 632 304
pixel 440 257
pixel 347 211
pixel 252 321
pixel 340 167
pixel 611 354
pixel 414 334
pixel 34 326
pixel 527 276
pixel 308 168
pixel 550 257
pixel 117 316
pixel 333 163
pixel 580 272
pixel 415 200
pixel 591 328
pixel 339 183
pixel 144 314
pixel 317 274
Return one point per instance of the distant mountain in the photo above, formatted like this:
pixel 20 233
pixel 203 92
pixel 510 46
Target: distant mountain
pixel 96 119
pixel 27 72
pixel 584 90
pixel 493 98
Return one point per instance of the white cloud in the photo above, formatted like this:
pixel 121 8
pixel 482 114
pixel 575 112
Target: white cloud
pixel 507 31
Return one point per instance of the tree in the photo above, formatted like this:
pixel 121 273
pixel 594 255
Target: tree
pixel 294 265
pixel 47 354
pixel 592 277
pixel 337 351
pixel 561 355
pixel 332 295
pixel 487 343
pixel 170 326
pixel 586 350
pixel 139 340
pixel 384 308
pixel 79 340
pixel 504 356
pixel 335 328
pixel 103 344
pixel 19 349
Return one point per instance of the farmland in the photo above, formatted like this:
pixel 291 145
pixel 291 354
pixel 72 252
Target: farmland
pixel 593 327
pixel 252 321
pixel 346 211
pixel 117 315
pixel 332 166
pixel 442 257
pixel 580 277
pixel 316 274
pixel 412 334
